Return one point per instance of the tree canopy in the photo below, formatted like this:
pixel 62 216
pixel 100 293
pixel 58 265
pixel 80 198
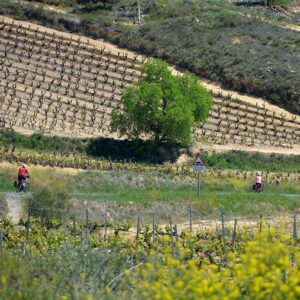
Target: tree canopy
pixel 162 106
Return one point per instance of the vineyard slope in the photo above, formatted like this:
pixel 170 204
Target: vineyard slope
pixel 63 84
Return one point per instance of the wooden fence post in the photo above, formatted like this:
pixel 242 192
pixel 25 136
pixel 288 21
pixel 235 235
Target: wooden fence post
pixel 1 240
pixel 172 239
pixel 28 220
pixel 86 225
pixel 176 232
pixel 81 237
pixel 74 226
pixel 295 234
pixel 224 238
pixel 234 233
pixel 105 221
pixel 153 226
pixel 260 222
pixel 138 227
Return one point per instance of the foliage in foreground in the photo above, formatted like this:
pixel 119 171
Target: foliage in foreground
pixel 162 105
pixel 260 264
pixel 262 271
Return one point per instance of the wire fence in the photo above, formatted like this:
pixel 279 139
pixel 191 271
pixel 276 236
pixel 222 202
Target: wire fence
pixel 107 218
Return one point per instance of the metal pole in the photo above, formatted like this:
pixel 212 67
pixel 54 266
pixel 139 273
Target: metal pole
pixel 191 223
pixel 198 183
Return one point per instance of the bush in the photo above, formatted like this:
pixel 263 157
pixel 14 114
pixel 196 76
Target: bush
pixel 48 204
pixel 283 3
pixel 3 206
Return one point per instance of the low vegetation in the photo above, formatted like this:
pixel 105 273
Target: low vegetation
pixel 18 147
pixel 130 192
pixel 60 263
pixel 3 206
pixel 48 202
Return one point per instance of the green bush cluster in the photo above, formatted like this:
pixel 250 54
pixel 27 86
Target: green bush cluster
pixel 283 3
pixel 40 142
pixel 253 161
pixel 48 203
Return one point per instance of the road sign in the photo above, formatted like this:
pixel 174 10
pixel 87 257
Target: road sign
pixel 198 168
pixel 199 161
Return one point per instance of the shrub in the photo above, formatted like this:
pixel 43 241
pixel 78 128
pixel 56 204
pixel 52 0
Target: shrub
pixel 3 206
pixel 283 3
pixel 48 204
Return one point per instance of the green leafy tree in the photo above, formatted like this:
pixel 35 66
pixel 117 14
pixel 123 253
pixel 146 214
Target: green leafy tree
pixel 162 106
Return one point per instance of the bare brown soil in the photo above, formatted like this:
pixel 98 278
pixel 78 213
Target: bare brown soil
pixel 237 121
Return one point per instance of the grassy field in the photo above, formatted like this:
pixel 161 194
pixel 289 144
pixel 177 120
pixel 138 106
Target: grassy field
pixel 148 191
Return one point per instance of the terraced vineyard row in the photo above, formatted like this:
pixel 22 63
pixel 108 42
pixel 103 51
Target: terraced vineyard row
pixel 87 163
pixel 234 121
pixel 54 84
pixel 60 84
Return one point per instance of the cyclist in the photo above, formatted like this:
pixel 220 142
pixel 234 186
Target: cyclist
pixel 23 173
pixel 258 182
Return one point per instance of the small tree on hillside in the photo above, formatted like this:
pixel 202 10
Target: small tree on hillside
pixel 162 106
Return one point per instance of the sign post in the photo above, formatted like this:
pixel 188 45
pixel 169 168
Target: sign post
pixel 198 167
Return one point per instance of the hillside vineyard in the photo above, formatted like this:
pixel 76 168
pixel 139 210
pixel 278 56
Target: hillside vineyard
pixel 59 83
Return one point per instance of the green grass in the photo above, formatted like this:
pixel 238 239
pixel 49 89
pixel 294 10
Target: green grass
pixel 148 190
pixel 233 203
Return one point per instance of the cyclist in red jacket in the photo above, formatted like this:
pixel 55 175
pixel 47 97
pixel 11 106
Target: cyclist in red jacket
pixel 23 173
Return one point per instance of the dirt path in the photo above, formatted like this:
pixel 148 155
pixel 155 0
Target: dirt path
pixel 14 206
pixel 256 148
